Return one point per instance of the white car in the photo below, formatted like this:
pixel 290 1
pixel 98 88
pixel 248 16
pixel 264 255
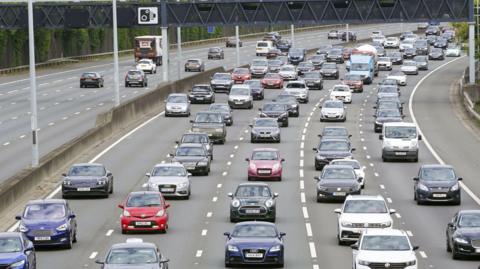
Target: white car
pixel 342 93
pixel 392 42
pixel 376 33
pixel 384 246
pixel 379 39
pixel 361 212
pixel 384 63
pixel 359 169
pixel 147 66
pixel 333 111
pixel 297 88
pixel 400 77
pixel 453 51
pixel 409 68
pixel 171 179
pixel 288 72
pixel 406 44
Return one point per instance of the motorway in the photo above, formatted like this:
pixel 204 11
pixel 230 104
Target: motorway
pixel 65 111
pixel 195 237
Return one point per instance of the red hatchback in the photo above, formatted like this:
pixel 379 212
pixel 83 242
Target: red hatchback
pixel 272 80
pixel 144 211
pixel 265 163
pixel 239 75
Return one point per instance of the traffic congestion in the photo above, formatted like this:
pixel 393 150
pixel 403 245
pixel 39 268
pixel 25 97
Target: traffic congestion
pixel 265 107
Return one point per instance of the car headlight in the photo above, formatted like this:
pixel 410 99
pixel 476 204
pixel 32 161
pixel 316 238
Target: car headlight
pixel 317 81
pixel 269 203
pixel 362 262
pixel 22 228
pixel 388 144
pixel 218 130
pixel 253 166
pixel 17 264
pixel 276 166
pixel 321 188
pixel 203 163
pixel 320 157
pixel 126 213
pixel 410 263
pixel 276 248
pixel 232 248
pixel 347 224
pixel 455 187
pixel 182 185
pixel 160 212
pixel 283 115
pixel 386 224
pixel 422 187
pixel 152 185
pixel 235 203
pixel 62 227
pixel 67 182
pixel 102 181
pixel 461 240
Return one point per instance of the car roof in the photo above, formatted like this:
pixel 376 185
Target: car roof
pixel 469 211
pixel 191 145
pixel 88 164
pixel 365 197
pixel 335 139
pixel 265 149
pixel 400 124
pixel 169 165
pixel 134 245
pixel 436 166
pixel 255 223
pixel 328 166
pixel 384 232
pixel 10 234
pixel 47 201
pixel 344 160
pixel 178 94
pixel 144 192
pixel 253 184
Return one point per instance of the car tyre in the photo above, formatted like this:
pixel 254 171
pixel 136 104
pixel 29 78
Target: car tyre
pixel 111 187
pixel 449 249
pixel 124 231
pixel 455 254
pixel 74 240
pixel 126 85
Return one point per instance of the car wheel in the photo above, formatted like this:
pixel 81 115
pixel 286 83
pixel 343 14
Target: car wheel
pixel 69 243
pixel 457 202
pixel 75 237
pixel 124 231
pixel 81 85
pixel 285 124
pixel 232 219
pixel 339 241
pixel 111 187
pixel 455 254
pixel 249 178
pixel 126 85
pixel 449 249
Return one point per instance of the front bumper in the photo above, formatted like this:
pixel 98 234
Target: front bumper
pixel 178 112
pixel 257 174
pixel 96 190
pixel 332 117
pixel 265 137
pixel 274 85
pixel 144 224
pixel 466 249
pixel 56 238
pixel 397 154
pixel 314 85
pixel 262 213
pixel 240 104
pixel 221 87
pixel 170 190
pixel 334 196
pixel 384 67
pixel 438 196
pixel 200 99
pixel 238 258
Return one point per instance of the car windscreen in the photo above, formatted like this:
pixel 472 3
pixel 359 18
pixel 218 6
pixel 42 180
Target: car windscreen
pixel 253 191
pixel 329 66
pixel 335 132
pixel 353 77
pixel 214 50
pixel 360 67
pixel 45 211
pixel 311 75
pixel 193 61
pixel 274 107
pixel 272 76
pixel 259 63
pixel 266 123
pixel 189 151
pixel 335 52
pixel 266 155
pixel 86 170
pixel 334 146
pixel 132 256
pixel 287 68
pixel 437 174
pixel 385 243
pixel 134 73
pixel 341 89
pixel 388 89
pixel 10 244
pixel 411 63
pixel 194 138
pixel 469 220
pixel 274 63
pixel 208 118
pixel 89 75
pixel 240 91
pixel 177 99
pixel 222 76
pixel 400 132
pixel 295 85
pixel 253 83
pixel 338 173
pixel 218 107
pixel 241 71
pixel 144 200
pixel 295 52
pixel 318 58
pixel 333 105
pixel 144 62
pixel 365 206
pixel 168 171
pixel 200 89
pixel 254 230
pixel 262 44
pixel 352 163
pixel 305 64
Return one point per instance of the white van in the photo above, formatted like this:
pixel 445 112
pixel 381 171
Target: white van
pixel 263 47
pixel 400 141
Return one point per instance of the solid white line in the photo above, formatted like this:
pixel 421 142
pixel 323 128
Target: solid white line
pixel 302 185
pixel 309 229
pixel 93 255
pixel 204 232
pixel 305 212
pixel 425 140
pixel 423 254
pixel 109 232
pixel 199 253
pixel 313 252
pixel 302 197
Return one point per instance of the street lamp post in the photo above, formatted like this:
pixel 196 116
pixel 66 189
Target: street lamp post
pixel 33 85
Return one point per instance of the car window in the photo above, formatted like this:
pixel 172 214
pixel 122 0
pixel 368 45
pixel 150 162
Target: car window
pixel 266 123
pixel 329 66
pixel 252 191
pixel 254 230
pixel 469 220
pixel 10 244
pixel 400 132
pixel 335 132
pixel 193 61
pixel 144 62
pixel 265 155
pixel 194 138
pixel 222 76
pixel 218 107
pixel 177 99
pixel 272 76
pixel 87 170
pixel 437 174
pixel 132 256
pixel 294 85
pixel 338 173
pixel 287 68
pixel 169 171
pixel 365 206
pixel 239 91
pixel 190 151
pixel 144 200
pixel 89 75
pixel 311 75
pixel 334 146
pixel 274 107
pixel 208 118
pixel 44 211
pixel 352 77
pixel 333 105
pixel 253 83
pixel 241 71
pixel 352 163
pixel 385 243
pixel 341 88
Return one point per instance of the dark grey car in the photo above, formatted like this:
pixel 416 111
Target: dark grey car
pixel 332 148
pixel 201 93
pixel 317 61
pixel 386 115
pixel 437 183
pixel 338 132
pixel 197 138
pixel 265 129
pixel 211 123
pixel 275 110
pixel 335 55
pixel 216 53
pixel 253 201
pixel 330 70
pixel 194 158
pixel 337 182
pixel 221 82
pixel 422 62
pixel 225 110
pixel 313 80
pixel 291 101
pixel 85 179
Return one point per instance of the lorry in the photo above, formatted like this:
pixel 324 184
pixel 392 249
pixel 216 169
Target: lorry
pixel 363 62
pixel 148 47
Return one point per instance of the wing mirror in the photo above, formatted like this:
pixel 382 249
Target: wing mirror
pixel 275 194
pixel 380 137
pixel 419 137
pixel 393 211
pixel 72 216
pixel 316 178
pixel 164 261
pixel 282 160
pixel 416 179
pixel 167 205
pixel 415 247
pixel 64 174
pixel 230 195
pixel 18 217
pixel 338 211
pixel 227 234
pixel 460 178
pixel 99 261
pixel 282 234
pixel 247 159
pixel 192 121
pixel 121 206
pixel 354 246
pixel 148 174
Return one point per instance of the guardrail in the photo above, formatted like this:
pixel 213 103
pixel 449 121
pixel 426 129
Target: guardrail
pixel 466 91
pixel 75 59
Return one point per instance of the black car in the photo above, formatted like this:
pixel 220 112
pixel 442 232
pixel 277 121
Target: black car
pixel 409 53
pixel 225 110
pixel 87 179
pixel 257 88
pixel 275 110
pixel 272 36
pixel 232 42
pixel 337 182
pixel 296 55
pixel 313 80
pixel 253 201
pixel 91 79
pixel 197 138
pixel 386 115
pixel 421 46
pixel 396 57
pixel 389 104
pixel 305 67
pixel 437 183
pixel 274 65
pixel 352 36
pixel 324 49
pixel 201 93
pixel 436 54
pixel 463 234
pixel 441 43
pixel 265 129
pixel 194 156
pixel 388 81
pixel 332 148
pixel 317 60
pixel 335 55
pixel 212 123
pixel 284 45
pixel 431 39
pixel 221 82
pixel 291 101
pixel 330 70
pixel 338 132
pixel 216 53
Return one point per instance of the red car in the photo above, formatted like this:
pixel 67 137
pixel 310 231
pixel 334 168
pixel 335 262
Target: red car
pixel 265 163
pixel 272 80
pixel 355 82
pixel 144 211
pixel 347 52
pixel 239 75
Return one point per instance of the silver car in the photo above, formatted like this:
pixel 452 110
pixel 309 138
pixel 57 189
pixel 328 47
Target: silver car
pixel 240 97
pixel 171 179
pixel 177 104
pixel 298 88
pixel 409 68
pixel 333 110
pixel 288 72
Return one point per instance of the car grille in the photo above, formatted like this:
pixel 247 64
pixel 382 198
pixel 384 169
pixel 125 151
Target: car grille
pixel 264 171
pixel 366 225
pixel 42 233
pixel 252 210
pixel 476 243
pixel 381 265
pixel 254 250
pixel 265 133
pixel 167 188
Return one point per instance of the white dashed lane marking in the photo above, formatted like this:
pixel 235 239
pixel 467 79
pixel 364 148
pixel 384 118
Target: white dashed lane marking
pixel 199 253
pixel 305 212
pixel 313 251
pixel 204 232
pixel 309 229
pixel 109 233
pixel 93 255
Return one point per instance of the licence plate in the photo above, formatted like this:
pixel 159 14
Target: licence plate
pixel 167 189
pixel 440 195
pixel 252 211
pixel 88 79
pixel 401 153
pixel 264 171
pixel 42 238
pixel 143 223
pixel 340 193
pixel 199 98
pixel 83 189
pixel 238 103
pixel 270 83
pixel 253 255
pixel 264 135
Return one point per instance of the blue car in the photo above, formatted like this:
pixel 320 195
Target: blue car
pixel 16 251
pixel 254 243
pixel 49 222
